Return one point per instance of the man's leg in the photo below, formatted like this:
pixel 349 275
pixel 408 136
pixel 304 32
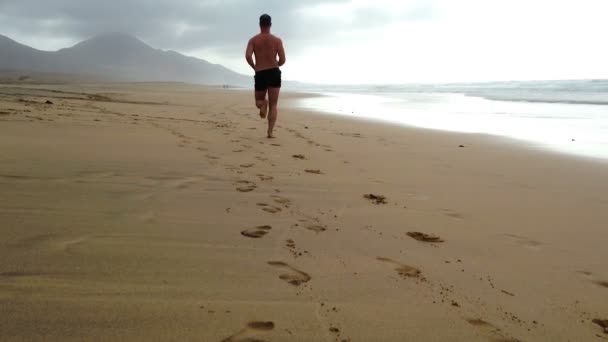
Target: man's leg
pixel 261 103
pixel 273 99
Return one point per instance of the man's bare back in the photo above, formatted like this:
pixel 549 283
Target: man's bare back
pixel 269 56
pixel 266 47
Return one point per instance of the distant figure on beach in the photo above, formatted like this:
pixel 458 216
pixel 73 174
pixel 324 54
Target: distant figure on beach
pixel 266 47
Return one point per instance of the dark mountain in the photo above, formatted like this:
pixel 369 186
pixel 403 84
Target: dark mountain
pixel 119 57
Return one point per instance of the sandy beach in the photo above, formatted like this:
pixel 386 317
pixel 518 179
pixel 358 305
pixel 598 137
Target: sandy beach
pixel 147 212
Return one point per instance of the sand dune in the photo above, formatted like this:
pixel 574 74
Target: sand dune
pixel 160 212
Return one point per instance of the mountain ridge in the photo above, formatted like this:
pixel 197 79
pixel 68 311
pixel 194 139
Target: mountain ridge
pixel 117 56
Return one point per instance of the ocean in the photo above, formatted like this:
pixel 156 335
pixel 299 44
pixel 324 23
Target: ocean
pixel 565 116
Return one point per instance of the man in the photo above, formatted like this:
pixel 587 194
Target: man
pixel 266 47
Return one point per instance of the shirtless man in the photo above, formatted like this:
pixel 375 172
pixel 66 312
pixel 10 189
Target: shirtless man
pixel 266 48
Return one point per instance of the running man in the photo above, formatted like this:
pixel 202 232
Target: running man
pixel 266 47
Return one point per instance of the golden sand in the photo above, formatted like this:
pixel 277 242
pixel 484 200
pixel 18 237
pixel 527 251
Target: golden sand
pixel 161 212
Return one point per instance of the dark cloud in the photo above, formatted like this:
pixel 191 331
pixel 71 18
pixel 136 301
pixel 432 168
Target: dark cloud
pixel 187 25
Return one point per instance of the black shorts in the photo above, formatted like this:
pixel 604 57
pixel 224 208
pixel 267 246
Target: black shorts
pixel 269 78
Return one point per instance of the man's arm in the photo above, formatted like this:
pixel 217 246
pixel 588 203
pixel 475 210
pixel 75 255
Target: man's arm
pixel 249 54
pixel 281 53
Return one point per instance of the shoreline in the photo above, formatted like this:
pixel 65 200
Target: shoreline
pixel 166 214
pixel 406 115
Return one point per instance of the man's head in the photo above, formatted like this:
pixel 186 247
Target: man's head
pixel 265 21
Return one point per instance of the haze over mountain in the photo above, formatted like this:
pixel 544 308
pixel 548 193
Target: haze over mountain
pixel 118 57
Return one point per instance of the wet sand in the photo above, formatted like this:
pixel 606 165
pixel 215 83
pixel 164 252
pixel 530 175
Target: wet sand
pixel 161 212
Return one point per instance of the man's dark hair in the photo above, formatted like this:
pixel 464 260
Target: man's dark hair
pixel 265 20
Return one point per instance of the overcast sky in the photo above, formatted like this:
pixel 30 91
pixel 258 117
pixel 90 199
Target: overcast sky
pixel 346 41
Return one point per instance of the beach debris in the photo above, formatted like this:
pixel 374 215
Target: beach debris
pixel 377 199
pixel 316 172
pixel 424 237
pixel 49 102
pixel 602 323
pixel 299 156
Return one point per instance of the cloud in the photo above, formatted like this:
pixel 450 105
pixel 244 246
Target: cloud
pixel 191 25
pixel 345 40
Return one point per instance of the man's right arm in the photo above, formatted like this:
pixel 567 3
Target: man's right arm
pixel 249 54
pixel 281 52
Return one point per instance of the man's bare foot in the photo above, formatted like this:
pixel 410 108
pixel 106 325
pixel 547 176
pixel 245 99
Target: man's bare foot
pixel 264 110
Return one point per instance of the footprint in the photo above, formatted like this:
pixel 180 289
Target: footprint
pixel 602 323
pixel 281 200
pixel 18 274
pixel 376 199
pixel 404 271
pixel 602 283
pixel 183 183
pixel 50 242
pixel 257 232
pixel 525 241
pixel 253 328
pixel 271 209
pixel 296 278
pixel 492 332
pixel 299 156
pixel 316 172
pixel 265 178
pixel 316 228
pixel 424 237
pixel 246 186
pixel 451 213
pixel 246 166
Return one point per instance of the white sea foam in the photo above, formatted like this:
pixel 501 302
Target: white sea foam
pixel 557 116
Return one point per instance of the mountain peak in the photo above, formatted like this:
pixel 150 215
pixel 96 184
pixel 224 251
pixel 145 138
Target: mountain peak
pixel 112 41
